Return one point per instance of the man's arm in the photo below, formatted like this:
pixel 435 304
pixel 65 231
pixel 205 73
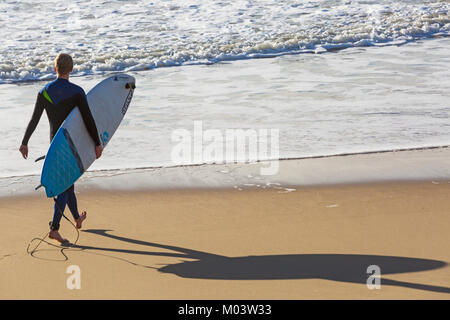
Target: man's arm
pixel 88 119
pixel 37 113
pixel 90 123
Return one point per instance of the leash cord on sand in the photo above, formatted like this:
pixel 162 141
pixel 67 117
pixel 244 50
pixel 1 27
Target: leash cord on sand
pixel 42 239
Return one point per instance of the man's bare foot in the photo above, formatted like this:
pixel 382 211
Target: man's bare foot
pixel 54 234
pixel 80 220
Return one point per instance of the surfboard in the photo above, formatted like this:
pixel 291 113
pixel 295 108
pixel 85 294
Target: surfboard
pixel 72 150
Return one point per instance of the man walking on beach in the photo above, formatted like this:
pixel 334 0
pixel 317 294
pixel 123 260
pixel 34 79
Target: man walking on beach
pixel 58 98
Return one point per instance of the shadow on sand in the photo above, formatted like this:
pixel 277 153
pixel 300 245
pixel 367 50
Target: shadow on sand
pixel 336 267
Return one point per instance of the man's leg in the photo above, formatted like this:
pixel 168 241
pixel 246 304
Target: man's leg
pixel 58 210
pixel 72 203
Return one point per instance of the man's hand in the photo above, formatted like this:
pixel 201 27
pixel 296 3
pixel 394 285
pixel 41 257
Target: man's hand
pixel 98 151
pixel 24 151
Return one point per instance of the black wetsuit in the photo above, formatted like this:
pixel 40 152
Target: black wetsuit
pixel 58 98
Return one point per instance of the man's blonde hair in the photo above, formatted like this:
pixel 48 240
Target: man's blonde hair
pixel 63 63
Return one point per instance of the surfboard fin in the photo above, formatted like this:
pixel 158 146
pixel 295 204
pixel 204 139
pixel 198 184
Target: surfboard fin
pixel 39 159
pixel 130 85
pixel 38 187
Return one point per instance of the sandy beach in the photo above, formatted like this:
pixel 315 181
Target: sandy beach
pixel 222 243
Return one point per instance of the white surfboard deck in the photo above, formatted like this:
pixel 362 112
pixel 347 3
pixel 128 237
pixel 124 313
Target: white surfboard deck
pixel 72 150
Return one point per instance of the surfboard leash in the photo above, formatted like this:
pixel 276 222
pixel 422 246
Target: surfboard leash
pixel 42 239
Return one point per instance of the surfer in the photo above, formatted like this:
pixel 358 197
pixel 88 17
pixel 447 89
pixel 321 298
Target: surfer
pixel 58 98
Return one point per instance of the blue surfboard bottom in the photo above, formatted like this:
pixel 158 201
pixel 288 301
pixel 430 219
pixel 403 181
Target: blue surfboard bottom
pixel 62 166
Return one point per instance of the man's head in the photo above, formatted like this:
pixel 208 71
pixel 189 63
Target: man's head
pixel 63 65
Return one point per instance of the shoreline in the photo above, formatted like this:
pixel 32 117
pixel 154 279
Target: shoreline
pixel 413 165
pixel 344 154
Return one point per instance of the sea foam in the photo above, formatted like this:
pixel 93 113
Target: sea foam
pixel 111 36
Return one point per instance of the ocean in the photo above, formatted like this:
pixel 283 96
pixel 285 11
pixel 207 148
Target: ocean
pixel 330 76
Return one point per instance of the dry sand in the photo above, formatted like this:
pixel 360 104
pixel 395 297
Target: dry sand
pixel 314 243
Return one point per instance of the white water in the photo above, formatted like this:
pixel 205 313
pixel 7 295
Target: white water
pixel 116 35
